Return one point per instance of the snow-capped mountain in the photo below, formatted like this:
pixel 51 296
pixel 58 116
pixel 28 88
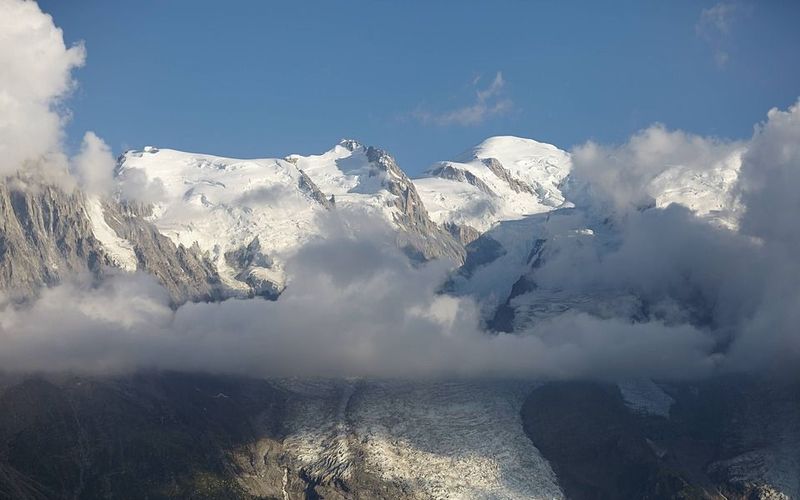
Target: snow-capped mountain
pixel 48 233
pixel 232 224
pixel 227 207
pixel 503 178
pixel 209 227
pixel 249 216
pixel 369 180
pixel 567 218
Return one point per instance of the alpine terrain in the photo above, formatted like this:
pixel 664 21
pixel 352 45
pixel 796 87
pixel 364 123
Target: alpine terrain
pixel 215 229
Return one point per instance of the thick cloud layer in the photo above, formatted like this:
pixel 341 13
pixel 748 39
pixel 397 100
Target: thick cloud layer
pixel 739 287
pixel 354 307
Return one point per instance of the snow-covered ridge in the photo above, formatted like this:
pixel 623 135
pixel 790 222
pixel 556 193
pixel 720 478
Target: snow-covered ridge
pixel 224 204
pixel 268 208
pixel 503 178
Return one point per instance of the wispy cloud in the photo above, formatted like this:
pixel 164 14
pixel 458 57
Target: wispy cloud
pixel 489 102
pixel 715 26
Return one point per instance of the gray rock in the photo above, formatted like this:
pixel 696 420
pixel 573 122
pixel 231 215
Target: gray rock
pixel 307 186
pixel 420 237
pixel 500 171
pixel 184 272
pixel 448 171
pixel 463 233
pixel 44 236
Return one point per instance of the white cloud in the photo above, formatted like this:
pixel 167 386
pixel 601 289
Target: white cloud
pixel 35 76
pixel 715 26
pixel 622 176
pixel 94 166
pixel 355 307
pixel 489 102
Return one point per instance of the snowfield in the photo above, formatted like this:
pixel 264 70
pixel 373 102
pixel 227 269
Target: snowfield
pixel 222 204
pixel 469 191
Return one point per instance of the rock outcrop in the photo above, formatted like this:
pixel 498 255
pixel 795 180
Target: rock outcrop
pixel 185 273
pixel 44 236
pixel 419 235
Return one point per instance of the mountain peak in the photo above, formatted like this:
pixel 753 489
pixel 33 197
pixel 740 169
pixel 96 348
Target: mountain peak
pixel 351 145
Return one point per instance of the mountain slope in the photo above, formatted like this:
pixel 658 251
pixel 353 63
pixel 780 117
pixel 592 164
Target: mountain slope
pixel 44 235
pixel 269 208
pixel 369 180
pixel 503 178
pixel 49 233
pixel 502 263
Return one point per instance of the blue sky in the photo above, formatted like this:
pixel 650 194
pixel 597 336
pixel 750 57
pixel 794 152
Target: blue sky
pixel 424 80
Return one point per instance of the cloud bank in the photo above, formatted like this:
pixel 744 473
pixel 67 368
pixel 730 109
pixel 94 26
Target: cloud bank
pixel 354 307
pixel 739 287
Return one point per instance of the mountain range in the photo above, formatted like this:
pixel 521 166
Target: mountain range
pixel 213 229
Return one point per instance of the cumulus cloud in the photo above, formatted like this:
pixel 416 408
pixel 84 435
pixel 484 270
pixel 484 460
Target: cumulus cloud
pixel 134 185
pixel 489 102
pixel 770 183
pixel 736 289
pixel 36 76
pixel 771 177
pixel 94 165
pixel 624 177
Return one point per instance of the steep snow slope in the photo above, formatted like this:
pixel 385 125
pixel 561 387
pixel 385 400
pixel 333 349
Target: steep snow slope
pixel 249 216
pixel 225 205
pixel 500 264
pixel 119 250
pixel 368 180
pixel 348 174
pixel 502 178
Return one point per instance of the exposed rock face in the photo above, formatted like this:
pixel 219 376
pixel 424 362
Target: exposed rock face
pixel 251 262
pixel 420 234
pixel 165 436
pixel 184 272
pixel 44 235
pixel 307 186
pixel 515 184
pixel 449 171
pixel 463 233
pixel 251 255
